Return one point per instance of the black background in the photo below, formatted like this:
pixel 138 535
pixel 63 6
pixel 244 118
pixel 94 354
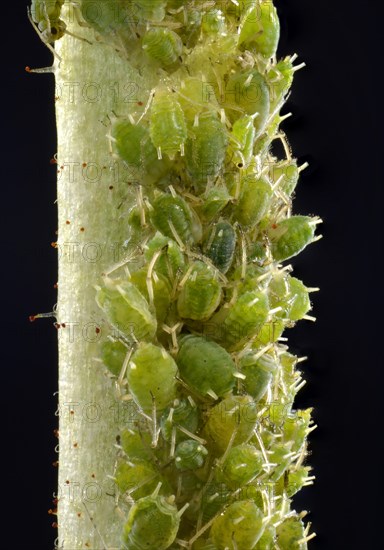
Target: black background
pixel 337 103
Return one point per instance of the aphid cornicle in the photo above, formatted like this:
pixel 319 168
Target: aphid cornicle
pixel 173 217
pixel 162 45
pixel 167 125
pixel 152 522
pixel 200 294
pixel 260 29
pixel 151 377
pixel 205 366
pixel 127 310
pixel 220 245
pixel 239 527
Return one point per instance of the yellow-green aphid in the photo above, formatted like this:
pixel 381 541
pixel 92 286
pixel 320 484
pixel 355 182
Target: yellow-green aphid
pixel 291 534
pixel 133 143
pixel 195 97
pixel 236 325
pixel 190 21
pixel 205 366
pixel 258 374
pixel 247 93
pixel 200 294
pixel 294 480
pixel 280 77
pixel 233 419
pixel 215 199
pixel 205 150
pixel 162 45
pixel 46 15
pixel 140 478
pixel 126 309
pixel 213 22
pixel 152 522
pixel 136 445
pixel 182 414
pixel 289 173
pixel 158 286
pixel 113 354
pixel 239 527
pixel 242 139
pixel 110 19
pixel 281 456
pixel 260 29
pixel 242 464
pixel 190 455
pixel 151 377
pixel 167 126
pixel 148 10
pixel 171 261
pixel 255 197
pixel 295 428
pixel 291 236
pixel 220 245
pixel 173 217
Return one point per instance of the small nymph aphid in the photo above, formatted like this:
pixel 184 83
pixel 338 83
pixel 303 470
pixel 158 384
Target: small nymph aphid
pixel 167 125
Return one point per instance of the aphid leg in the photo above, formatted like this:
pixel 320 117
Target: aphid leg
pixel 173 332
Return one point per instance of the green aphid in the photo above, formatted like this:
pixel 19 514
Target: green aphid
pixel 126 309
pixel 290 172
pixel 200 294
pixel 190 20
pixel 113 354
pixel 267 539
pixel 205 150
pixel 258 374
pixel 205 366
pixel 196 97
pixel 148 10
pixel 213 22
pixel 46 15
pixel 293 481
pixel 296 427
pixel 280 78
pixel 140 478
pixel 214 498
pixel 291 295
pixel 254 200
pixel 239 527
pixel 161 291
pixel 109 19
pixel 270 332
pixel 221 245
pixel 181 414
pixel 291 236
pixel 133 143
pixel 248 93
pixel 236 325
pixel 242 139
pixel 167 125
pixel 291 535
pixel 151 377
pixel 175 219
pixel 237 415
pixel 171 260
pixel 281 456
pixel 242 464
pixel 162 45
pixel 215 199
pixel 152 522
pixel 300 302
pixel 190 455
pixel 136 445
pixel 260 29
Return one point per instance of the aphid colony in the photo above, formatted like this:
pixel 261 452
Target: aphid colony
pixel 216 449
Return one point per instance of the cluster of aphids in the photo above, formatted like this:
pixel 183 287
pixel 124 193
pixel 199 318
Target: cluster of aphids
pixel 217 449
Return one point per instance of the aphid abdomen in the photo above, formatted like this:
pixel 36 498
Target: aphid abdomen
pixel 201 293
pixel 127 310
pixel 243 136
pixel 152 522
pixel 171 261
pixel 221 245
pixel 190 455
pixel 133 143
pixel 260 29
pixel 233 327
pixel 258 374
pixel 140 478
pixel 291 236
pixel 113 355
pixel 239 527
pixel 205 366
pixel 172 214
pixel 167 127
pixel 289 534
pixel 151 377
pixel 255 197
pixel 242 464
pixel 205 152
pixel 162 45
